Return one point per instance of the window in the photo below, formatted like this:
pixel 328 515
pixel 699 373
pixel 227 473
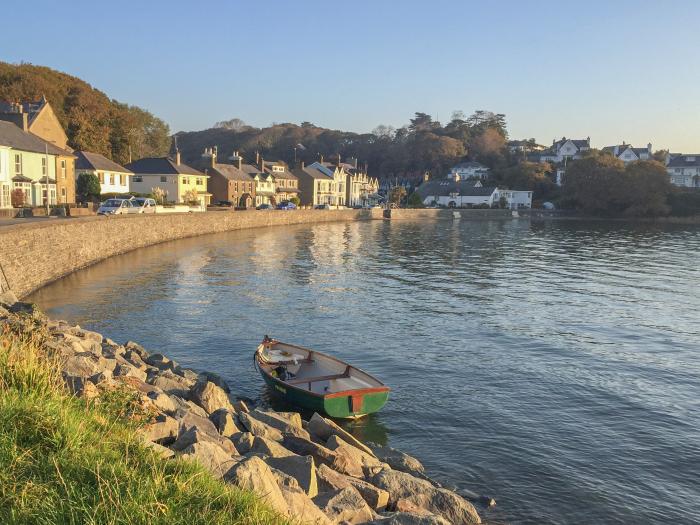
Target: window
pixel 122 180
pixel 138 178
pixel 185 180
pixel 164 179
pixel 101 177
pixel 63 194
pixel 111 179
pixel 44 167
pixel 18 164
pixel 199 181
pixel 63 169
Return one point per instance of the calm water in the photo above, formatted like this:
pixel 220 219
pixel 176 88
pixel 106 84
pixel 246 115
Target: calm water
pixel 555 367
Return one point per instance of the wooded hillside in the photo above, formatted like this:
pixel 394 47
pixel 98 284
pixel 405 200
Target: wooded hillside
pixel 90 118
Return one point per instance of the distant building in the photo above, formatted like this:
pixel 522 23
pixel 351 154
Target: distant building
pixel 562 150
pixel 360 188
pixel 684 170
pixel 228 181
pixel 626 153
pixel 468 170
pixel 172 176
pixel 113 177
pixel 38 118
pixel 467 194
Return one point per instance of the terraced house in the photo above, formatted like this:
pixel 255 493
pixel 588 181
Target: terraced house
pixel 228 181
pixel 31 166
pixel 316 184
pixel 178 180
pixel 684 170
pixel 361 189
pixel 286 183
pixel 39 119
pixel 114 178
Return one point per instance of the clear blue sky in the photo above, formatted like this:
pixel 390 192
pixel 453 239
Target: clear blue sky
pixel 615 70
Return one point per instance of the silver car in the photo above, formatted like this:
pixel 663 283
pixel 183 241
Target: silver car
pixel 115 207
pixel 143 205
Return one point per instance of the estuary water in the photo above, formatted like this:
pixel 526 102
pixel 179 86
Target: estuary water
pixel 552 366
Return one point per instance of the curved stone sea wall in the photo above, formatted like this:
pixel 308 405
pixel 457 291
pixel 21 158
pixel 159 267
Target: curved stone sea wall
pixel 37 253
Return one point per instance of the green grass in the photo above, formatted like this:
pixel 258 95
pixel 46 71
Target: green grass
pixel 64 461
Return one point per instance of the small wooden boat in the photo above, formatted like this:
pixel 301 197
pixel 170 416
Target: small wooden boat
pixel 319 382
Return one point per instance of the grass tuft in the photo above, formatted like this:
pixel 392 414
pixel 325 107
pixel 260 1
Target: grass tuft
pixel 65 461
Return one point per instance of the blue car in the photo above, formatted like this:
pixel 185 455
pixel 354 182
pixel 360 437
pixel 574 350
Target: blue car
pixel 286 205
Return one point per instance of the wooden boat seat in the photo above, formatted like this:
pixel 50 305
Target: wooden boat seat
pixel 303 380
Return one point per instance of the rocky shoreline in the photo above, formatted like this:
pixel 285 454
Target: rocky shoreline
pixel 311 471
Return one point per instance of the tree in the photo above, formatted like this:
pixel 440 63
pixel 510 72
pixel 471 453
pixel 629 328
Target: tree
pixel 87 187
pixel 17 198
pixel 648 189
pixel 159 194
pixel 397 194
pixel 234 124
pixel 414 201
pixel 295 200
pixel 533 176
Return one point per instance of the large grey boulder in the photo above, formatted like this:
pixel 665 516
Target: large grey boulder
pixel 398 460
pixel 323 455
pixel 424 495
pixel 137 348
pixel 324 428
pixel 128 370
pixel 172 383
pixel 216 379
pixel 243 441
pixel 163 430
pixel 210 397
pixel 301 468
pixel 162 402
pixel 211 456
pixel 160 361
pixel 86 364
pixel 341 447
pixel 253 474
pixel 329 480
pixel 286 425
pixel 269 448
pixel 345 506
pixel 225 422
pixel 258 428
pixel 301 507
pixel 195 435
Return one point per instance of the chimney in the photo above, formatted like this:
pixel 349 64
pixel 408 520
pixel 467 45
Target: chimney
pixel 257 157
pixel 649 148
pixel 321 159
pixel 426 176
pixel 240 160
pixel 355 162
pixel 301 164
pixel 338 159
pixel 262 164
pixel 177 157
pixel 588 141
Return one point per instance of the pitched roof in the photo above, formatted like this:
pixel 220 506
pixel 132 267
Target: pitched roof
pixel 161 166
pixel 250 169
pixel 86 160
pixel 313 172
pixel 32 109
pixel 681 161
pixel 16 138
pixel 230 172
pixel 444 187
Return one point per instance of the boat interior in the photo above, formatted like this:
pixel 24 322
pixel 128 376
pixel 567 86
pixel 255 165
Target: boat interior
pixel 312 371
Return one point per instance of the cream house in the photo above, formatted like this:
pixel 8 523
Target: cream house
pixel 176 179
pixel 113 177
pixel 5 178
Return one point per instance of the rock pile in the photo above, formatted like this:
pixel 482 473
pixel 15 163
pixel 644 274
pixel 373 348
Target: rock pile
pixel 312 471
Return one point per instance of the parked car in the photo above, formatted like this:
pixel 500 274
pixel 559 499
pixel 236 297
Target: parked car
pixel 322 207
pixel 264 207
pixel 143 205
pixel 116 207
pixel 286 205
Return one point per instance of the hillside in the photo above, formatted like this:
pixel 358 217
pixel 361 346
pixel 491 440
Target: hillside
pixel 91 119
pixel 422 145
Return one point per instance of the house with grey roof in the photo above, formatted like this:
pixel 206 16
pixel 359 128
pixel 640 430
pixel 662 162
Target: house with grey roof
pixel 468 169
pixel 178 180
pixel 627 153
pixel 30 165
pixel 316 183
pixel 563 150
pixel 228 181
pixel 113 177
pixel 684 170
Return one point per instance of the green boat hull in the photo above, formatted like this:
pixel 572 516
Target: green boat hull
pixel 336 405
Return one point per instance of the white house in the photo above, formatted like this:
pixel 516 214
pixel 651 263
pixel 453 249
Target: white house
pixel 684 170
pixel 563 150
pixel 468 170
pixel 626 153
pixel 467 194
pixel 5 179
pixel 516 199
pixel 113 177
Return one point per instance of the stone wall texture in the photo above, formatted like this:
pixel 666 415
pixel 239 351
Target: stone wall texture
pixel 36 253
